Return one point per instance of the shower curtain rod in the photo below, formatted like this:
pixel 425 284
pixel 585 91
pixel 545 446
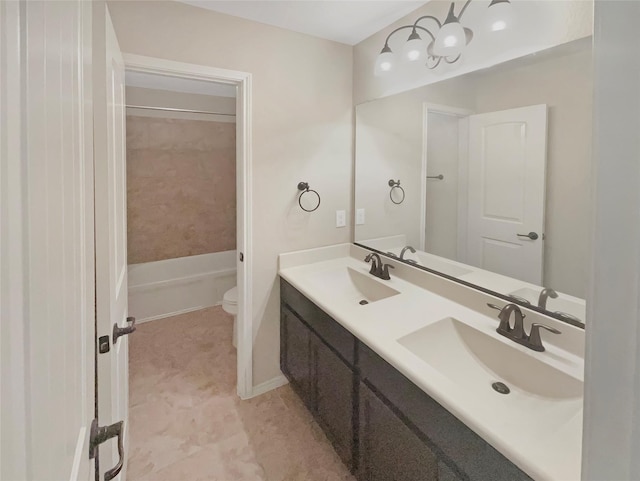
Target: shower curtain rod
pixel 186 111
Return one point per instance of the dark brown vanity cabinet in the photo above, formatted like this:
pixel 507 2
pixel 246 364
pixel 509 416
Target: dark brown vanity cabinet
pixel 381 424
pixel 389 449
pixel 321 376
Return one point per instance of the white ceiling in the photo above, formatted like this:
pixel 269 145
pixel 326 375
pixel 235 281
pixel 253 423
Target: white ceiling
pixel 177 84
pixel 345 21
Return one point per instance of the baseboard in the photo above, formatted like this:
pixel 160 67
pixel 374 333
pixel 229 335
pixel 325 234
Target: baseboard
pixel 269 385
pixel 169 314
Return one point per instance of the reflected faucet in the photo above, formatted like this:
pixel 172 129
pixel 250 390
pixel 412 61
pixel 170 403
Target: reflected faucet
pixel 545 294
pixel 405 249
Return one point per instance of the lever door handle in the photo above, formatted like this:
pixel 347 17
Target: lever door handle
pixel 123 331
pixel 530 235
pixel 100 434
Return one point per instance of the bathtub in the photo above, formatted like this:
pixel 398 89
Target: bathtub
pixel 174 286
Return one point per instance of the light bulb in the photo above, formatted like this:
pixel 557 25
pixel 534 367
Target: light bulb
pixel 384 62
pixel 500 15
pixel 450 41
pixel 412 50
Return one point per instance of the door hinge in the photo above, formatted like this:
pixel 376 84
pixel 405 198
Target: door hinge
pixel 100 434
pixel 241 257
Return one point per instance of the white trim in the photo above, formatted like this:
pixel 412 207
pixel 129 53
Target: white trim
pixel 427 108
pixel 14 450
pixel 269 385
pixel 242 80
pixel 611 430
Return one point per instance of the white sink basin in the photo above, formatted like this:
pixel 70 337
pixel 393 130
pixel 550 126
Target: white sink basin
pixel 475 360
pixel 563 303
pixel 350 285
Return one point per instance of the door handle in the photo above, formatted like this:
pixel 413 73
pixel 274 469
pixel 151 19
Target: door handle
pixel 530 235
pixel 123 331
pixel 100 434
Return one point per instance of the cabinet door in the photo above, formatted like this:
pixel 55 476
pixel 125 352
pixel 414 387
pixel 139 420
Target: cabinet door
pixel 334 394
pixel 295 357
pixel 389 449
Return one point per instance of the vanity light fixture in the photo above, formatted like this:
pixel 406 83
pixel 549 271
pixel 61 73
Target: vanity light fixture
pixel 447 42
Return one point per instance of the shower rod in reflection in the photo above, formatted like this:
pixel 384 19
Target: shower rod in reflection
pixel 186 111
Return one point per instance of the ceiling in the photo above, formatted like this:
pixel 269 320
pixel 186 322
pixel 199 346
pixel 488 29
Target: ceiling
pixel 177 84
pixel 344 21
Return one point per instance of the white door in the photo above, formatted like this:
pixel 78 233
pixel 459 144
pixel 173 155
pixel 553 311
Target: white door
pixel 46 262
pixel 111 241
pixel 507 162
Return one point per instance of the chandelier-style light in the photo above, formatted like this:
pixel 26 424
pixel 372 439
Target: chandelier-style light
pixel 447 42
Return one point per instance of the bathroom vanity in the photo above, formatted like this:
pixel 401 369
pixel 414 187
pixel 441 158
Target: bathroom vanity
pixel 400 376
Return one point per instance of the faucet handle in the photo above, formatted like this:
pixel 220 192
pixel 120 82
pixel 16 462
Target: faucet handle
pixel 385 271
pixel 535 342
pixel 493 306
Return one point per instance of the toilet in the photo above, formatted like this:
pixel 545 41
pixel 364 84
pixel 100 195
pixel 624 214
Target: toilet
pixel 230 305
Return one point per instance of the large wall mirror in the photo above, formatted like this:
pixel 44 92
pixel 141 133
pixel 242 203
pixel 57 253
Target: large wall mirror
pixel 486 178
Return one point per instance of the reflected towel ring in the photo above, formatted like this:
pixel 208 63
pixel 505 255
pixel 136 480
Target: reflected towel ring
pixel 395 185
pixel 304 187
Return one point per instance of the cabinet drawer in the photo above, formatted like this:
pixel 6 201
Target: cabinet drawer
pixel 456 445
pixel 341 340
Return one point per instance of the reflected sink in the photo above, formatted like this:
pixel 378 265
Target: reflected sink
pixel 474 360
pixel 563 303
pixel 347 284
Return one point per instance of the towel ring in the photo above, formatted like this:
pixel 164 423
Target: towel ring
pixel 304 188
pixel 395 185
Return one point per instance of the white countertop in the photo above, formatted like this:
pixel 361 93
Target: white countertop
pixel 546 444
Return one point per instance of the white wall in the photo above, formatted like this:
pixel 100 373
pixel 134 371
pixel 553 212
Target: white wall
pixel 302 131
pixel 543 24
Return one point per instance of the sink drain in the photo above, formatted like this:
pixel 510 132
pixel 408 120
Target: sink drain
pixel 363 302
pixel 501 388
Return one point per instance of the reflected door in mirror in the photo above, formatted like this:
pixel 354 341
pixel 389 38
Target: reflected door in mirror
pixel 507 161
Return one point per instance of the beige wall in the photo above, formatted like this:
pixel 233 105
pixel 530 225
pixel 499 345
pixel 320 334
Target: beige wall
pixel 181 188
pixel 302 131
pixel 541 24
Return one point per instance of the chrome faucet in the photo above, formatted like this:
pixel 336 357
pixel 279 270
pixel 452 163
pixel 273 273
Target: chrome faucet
pixel 545 294
pixel 378 269
pixel 517 333
pixel 410 249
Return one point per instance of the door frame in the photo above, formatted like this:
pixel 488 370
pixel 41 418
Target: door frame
pixel 243 81
pixel 15 452
pixel 463 153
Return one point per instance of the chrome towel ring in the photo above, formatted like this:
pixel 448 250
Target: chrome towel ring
pixel 304 188
pixel 396 185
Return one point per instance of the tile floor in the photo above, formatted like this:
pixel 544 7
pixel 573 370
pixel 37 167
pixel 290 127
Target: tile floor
pixel 187 424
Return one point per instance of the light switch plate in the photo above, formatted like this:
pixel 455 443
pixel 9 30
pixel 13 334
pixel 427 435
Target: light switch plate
pixel 360 217
pixel 341 218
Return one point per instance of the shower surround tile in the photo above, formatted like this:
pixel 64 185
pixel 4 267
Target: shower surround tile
pixel 181 188
pixel 187 423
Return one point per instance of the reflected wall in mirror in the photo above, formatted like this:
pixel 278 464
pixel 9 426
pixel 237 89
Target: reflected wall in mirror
pixel 495 168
